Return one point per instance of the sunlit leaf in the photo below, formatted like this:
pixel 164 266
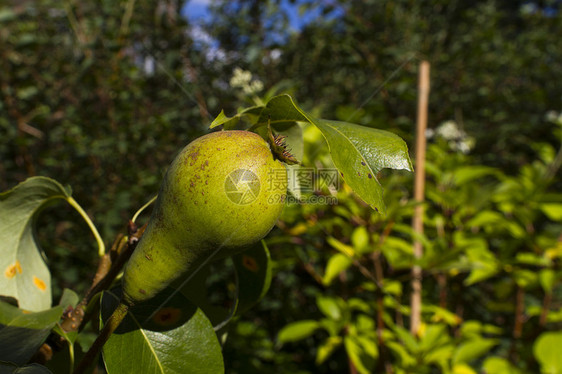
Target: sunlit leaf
pixel 297 331
pixel 360 240
pixel 552 210
pixel 498 365
pixel 336 264
pixel 547 278
pixel 360 153
pixel 466 174
pixel 463 369
pixel 547 352
pixel 473 349
pixel 361 353
pixel 329 306
pixel 327 348
pixel 345 249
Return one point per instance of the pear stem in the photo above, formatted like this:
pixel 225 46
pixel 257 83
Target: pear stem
pixel 110 326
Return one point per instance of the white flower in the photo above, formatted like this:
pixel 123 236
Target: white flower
pixel 456 138
pixel 554 117
pixel 449 130
pixel 240 78
pixel 243 79
pixel 465 145
pixel 257 85
pixel 429 133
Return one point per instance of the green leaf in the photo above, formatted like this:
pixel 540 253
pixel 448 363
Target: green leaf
pixel 471 329
pixel 253 277
pixel 8 368
pixel 498 365
pixel 69 299
pixel 462 369
pixel 465 174
pixel 554 316
pixel 439 355
pixel 195 290
pixel 345 249
pixel 327 348
pixel 403 355
pixel 552 210
pixel 547 352
pixel 525 278
pixel 355 303
pixel 253 268
pixel 482 262
pixel 330 306
pixel 434 336
pixel 360 240
pixel 336 264
pixel 360 153
pixel 25 275
pixel 473 349
pixel 231 122
pixel 547 278
pixel 22 333
pixel 360 351
pixel 529 258
pixel 297 331
pixel 491 220
pixel 166 334
pixel 282 108
pixel 220 120
pixel 486 218
pixel 364 324
pixel 398 252
pixel 441 315
pixel 408 340
pixel 392 287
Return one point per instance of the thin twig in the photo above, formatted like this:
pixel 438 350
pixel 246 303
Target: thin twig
pixel 547 300
pixel 109 266
pixel 110 326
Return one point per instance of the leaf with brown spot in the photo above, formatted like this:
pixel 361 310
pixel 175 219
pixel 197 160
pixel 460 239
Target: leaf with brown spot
pixel 29 279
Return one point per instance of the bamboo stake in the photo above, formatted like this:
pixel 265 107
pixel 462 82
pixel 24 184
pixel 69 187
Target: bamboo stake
pixel 417 221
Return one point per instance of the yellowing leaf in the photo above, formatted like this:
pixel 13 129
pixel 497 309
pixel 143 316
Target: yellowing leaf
pixel 463 369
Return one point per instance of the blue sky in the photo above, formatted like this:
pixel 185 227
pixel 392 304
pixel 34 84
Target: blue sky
pixel 196 10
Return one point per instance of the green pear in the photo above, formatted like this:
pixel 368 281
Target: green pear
pixel 222 193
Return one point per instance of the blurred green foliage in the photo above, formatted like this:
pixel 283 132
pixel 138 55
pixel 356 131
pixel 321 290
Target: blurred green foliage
pixel 101 95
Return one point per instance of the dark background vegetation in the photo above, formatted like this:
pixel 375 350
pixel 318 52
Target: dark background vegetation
pixel 100 95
